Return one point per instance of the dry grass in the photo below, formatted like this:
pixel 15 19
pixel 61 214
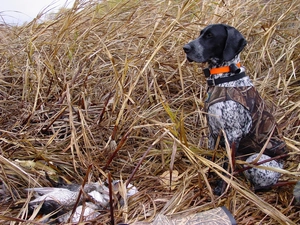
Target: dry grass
pixel 109 81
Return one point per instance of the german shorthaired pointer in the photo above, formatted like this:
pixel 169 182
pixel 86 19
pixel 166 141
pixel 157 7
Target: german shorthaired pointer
pixel 233 104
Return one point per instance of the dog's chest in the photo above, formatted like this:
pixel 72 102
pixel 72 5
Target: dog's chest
pixel 230 116
pixel 229 108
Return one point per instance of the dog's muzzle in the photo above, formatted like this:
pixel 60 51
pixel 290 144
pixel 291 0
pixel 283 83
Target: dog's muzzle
pixel 187 49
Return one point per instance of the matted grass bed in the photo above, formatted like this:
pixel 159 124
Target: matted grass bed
pixel 103 83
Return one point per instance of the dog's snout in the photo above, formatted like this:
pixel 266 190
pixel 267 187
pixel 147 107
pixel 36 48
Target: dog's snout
pixel 187 48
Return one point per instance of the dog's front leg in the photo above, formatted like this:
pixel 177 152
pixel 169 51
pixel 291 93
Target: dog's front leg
pixel 233 121
pixel 229 165
pixel 211 141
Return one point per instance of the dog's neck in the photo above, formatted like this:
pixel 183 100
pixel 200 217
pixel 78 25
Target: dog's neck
pixel 217 63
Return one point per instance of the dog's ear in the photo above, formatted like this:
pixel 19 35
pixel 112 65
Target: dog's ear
pixel 234 44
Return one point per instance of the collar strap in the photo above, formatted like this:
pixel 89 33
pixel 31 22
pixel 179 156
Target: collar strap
pixel 214 82
pixel 234 68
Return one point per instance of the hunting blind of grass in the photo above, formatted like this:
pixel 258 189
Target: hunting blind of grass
pixel 107 83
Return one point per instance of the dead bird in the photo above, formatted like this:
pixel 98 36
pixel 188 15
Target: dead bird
pixel 60 201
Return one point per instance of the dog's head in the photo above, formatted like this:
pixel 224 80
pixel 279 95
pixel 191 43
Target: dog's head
pixel 217 41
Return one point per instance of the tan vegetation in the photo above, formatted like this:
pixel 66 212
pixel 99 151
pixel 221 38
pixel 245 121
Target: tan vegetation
pixel 102 84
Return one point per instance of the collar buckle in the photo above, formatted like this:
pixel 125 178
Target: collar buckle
pixel 211 82
pixel 233 68
pixel 206 72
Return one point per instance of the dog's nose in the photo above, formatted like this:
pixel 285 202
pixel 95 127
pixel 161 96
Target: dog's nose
pixel 187 48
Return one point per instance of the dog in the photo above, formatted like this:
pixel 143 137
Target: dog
pixel 233 104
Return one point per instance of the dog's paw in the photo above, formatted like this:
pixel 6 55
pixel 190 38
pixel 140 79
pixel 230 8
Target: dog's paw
pixel 262 178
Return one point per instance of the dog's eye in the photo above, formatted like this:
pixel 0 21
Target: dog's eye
pixel 209 35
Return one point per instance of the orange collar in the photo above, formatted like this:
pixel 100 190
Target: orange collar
pixel 224 69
